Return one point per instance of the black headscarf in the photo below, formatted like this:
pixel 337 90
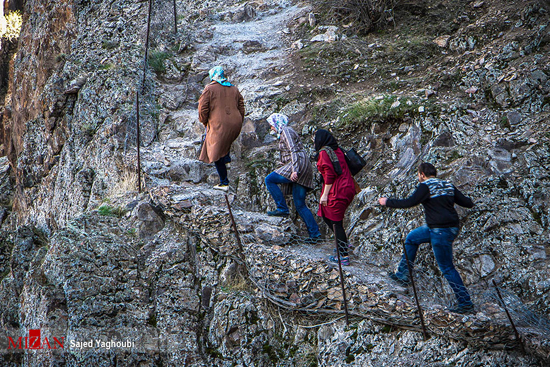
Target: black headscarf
pixel 323 138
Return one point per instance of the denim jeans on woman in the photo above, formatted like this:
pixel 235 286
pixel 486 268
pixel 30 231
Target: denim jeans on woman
pixel 442 246
pixel 299 192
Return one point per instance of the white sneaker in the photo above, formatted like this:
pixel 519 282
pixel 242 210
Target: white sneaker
pixel 222 187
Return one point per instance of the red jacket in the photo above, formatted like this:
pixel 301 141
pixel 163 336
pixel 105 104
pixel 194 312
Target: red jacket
pixel 343 187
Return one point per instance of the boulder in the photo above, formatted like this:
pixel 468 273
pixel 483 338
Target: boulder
pixel 514 117
pixel 150 219
pixel 442 41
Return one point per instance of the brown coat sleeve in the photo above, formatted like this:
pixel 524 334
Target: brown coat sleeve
pixel 204 106
pixel 240 104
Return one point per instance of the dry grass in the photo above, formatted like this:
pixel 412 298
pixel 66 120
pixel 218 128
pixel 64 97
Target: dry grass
pixel 237 283
pixel 126 184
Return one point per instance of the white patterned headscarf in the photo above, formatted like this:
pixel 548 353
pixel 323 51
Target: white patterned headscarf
pixel 278 121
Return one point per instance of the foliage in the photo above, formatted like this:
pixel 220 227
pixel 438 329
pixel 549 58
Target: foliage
pixel 504 123
pixel 280 101
pixel 106 66
pixel 237 283
pixel 109 45
pixel 454 156
pixel 111 211
pixel 340 59
pixel 365 15
pixel 384 108
pixel 88 129
pixel 10 25
pixel 156 60
pixel 410 50
pixel 324 113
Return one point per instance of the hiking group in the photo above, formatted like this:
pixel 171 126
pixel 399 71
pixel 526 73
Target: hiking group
pixel 221 111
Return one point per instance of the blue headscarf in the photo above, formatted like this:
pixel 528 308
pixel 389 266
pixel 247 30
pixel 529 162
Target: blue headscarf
pixel 277 120
pixel 216 75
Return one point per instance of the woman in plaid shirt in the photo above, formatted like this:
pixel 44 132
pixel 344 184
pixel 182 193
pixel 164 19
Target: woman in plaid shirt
pixel 296 174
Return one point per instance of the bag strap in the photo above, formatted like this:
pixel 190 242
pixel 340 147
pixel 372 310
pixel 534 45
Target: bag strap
pixel 334 159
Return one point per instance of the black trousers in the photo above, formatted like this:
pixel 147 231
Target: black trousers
pixel 340 235
pixel 222 169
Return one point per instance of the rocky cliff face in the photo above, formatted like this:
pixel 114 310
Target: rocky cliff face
pixel 83 256
pixel 72 93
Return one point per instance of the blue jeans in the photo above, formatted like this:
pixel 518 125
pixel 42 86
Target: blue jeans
pixel 222 169
pixel 442 246
pixel 298 194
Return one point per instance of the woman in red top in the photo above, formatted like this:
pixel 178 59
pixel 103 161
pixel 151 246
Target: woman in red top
pixel 338 188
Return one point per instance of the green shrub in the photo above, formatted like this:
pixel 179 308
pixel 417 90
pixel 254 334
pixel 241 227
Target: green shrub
pixel 156 60
pixel 111 211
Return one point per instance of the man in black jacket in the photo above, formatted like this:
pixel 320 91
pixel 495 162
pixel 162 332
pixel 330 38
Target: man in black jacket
pixel 438 198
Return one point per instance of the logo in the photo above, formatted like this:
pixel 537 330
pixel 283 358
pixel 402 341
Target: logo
pixel 35 341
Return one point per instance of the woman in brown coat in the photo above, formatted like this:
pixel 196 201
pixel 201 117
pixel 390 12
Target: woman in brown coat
pixel 221 110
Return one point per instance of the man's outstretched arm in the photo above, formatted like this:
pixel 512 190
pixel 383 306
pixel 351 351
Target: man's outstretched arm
pixel 462 200
pixel 419 195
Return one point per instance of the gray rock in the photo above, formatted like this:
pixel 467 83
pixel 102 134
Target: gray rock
pixel 538 77
pixel 150 220
pixel 509 51
pixel 500 94
pixel 244 13
pixel 501 167
pixel 293 108
pixel 500 154
pixel 252 47
pixel 186 170
pixel 312 20
pixel 76 84
pixel 514 117
pixel 485 265
pixel 520 90
pixel 329 36
pixel 445 139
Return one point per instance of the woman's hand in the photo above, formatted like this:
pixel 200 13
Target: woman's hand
pixel 324 195
pixel 294 176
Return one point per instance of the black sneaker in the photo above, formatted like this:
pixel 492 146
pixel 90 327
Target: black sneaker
pixel 401 282
pixel 463 309
pixel 277 213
